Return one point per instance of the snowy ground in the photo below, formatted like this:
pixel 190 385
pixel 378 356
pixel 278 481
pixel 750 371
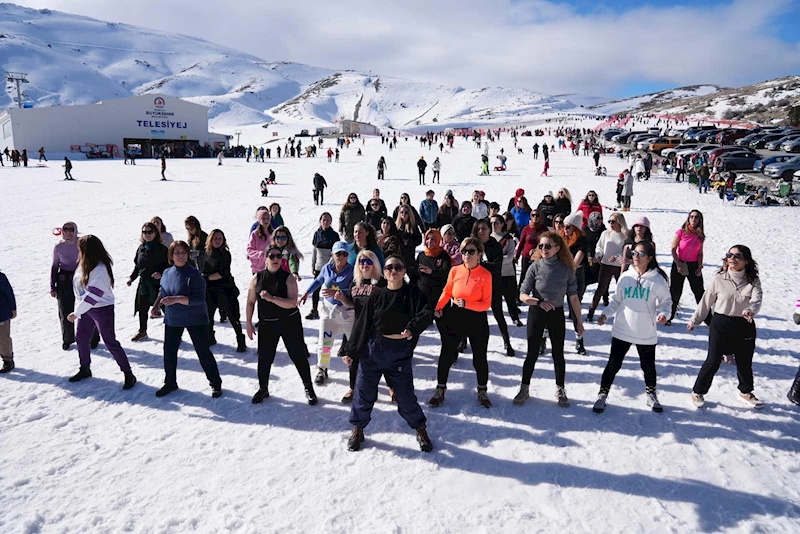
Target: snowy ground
pixel 88 457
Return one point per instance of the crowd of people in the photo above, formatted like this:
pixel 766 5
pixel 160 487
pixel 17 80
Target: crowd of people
pixel 374 294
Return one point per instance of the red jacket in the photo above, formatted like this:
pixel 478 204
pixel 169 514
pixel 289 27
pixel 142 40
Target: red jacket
pixel 587 210
pixel 528 240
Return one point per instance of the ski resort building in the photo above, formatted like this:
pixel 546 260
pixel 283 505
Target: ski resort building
pixel 151 124
pixel 354 127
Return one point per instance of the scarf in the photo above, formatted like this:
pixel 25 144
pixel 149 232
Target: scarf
pixel 436 250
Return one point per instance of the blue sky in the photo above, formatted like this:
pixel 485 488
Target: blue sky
pixel 592 47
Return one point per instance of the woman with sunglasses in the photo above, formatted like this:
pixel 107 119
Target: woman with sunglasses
pixel 260 239
pixel 65 261
pixel 464 221
pixel 450 245
pixel 337 317
pixel 197 242
pixel 639 304
pixel 367 279
pixel 547 208
pixel 434 266
pixel 734 295
pixel 405 200
pixel 590 204
pixel 183 295
pixel 608 253
pixel 687 261
pixel 149 263
pixel 93 285
pixel 282 238
pixel 410 237
pixel 221 290
pixel 275 214
pixel 462 312
pixel 274 291
pixel 522 212
pixel 351 213
pixel 364 238
pixel 550 278
pixel 321 255
pixel 508 272
pixel 528 241
pixel 385 336
pixel 492 261
pixel 640 233
pixel 575 239
pixel 563 202
pixel 373 214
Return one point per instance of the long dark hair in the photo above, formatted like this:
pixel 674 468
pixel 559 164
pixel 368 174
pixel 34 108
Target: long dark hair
pixel 700 232
pixel 750 268
pixel 210 239
pixel 651 253
pixel 193 240
pixel 372 238
pixel 290 247
pixel 648 235
pixel 91 253
pixel 154 227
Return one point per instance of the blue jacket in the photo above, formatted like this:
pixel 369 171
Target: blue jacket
pixel 185 281
pixel 329 278
pixel 7 302
pixel 429 211
pixel 522 217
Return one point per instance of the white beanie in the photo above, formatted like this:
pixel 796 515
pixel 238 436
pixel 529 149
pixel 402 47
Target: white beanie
pixel 445 228
pixel 576 220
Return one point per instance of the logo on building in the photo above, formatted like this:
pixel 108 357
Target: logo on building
pixel 159 102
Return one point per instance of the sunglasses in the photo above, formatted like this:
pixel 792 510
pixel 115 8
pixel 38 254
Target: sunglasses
pixel 281 238
pixel 342 253
pixel 394 267
pixel 612 221
pixel 68 229
pixel 365 261
pixel 536 216
pixel 275 256
pixel 545 246
pixel 469 251
pixel 147 232
pixel 734 255
pixel 558 221
pixel 638 253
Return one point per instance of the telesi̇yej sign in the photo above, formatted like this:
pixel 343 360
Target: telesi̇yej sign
pixel 160 113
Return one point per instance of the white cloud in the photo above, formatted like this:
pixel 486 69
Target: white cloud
pixel 474 43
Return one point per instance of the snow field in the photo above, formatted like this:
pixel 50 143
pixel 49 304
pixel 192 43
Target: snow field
pixel 88 457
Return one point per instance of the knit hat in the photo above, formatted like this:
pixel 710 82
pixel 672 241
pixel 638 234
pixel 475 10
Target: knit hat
pixel 549 194
pixel 519 192
pixel 642 221
pixel 446 228
pixel 449 192
pixel 595 221
pixel 576 220
pixel 621 175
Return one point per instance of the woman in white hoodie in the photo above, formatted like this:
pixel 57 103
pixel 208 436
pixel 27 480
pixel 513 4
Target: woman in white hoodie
pixel 608 254
pixel 641 301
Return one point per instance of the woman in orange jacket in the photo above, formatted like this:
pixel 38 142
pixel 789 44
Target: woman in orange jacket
pixel 462 309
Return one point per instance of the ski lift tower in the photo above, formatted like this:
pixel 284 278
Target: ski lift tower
pixel 18 78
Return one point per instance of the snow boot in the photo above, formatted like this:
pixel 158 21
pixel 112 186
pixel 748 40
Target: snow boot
pixel 508 348
pixel 517 322
pixel 698 400
pixel 561 395
pixel 314 314
pixel 241 344
pixel 8 365
pixel 212 340
pixel 322 374
pixel 793 395
pixel 311 396
pixel 356 439
pixel 652 401
pixel 261 394
pixel 84 372
pixel 522 395
pixel 438 397
pixel 425 444
pixel 130 380
pixel 483 398
pixel 751 400
pixel 600 403
pixel 579 348
pixel 216 391
pixel 65 346
pixel 166 390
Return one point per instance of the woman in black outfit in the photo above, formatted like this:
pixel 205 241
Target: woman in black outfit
pixel 492 261
pixel 463 222
pixel 275 292
pixel 221 290
pixel 385 336
pixel 197 242
pixel 410 236
pixel 150 262
pixel 434 266
pixel 575 239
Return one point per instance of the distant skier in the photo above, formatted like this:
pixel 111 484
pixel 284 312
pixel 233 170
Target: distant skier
pixel 163 167
pixel 41 155
pixel 67 169
pixel 381 167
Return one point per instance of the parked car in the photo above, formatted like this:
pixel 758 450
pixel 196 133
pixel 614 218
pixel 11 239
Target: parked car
pixel 776 145
pixel 729 135
pixel 791 146
pixel 661 143
pixel 689 132
pixel 644 143
pixel 707 136
pixel 759 165
pixel 761 143
pixel 717 152
pixel 686 144
pixel 741 160
pixel 784 170
pixel 608 134
pixel 747 139
pixel 624 137
pixel 703 147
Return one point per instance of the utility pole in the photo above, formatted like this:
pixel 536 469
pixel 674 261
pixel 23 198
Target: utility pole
pixel 18 78
pixel 238 133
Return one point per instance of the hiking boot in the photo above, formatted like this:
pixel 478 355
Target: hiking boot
pixel 751 400
pixel 508 348
pixel 561 395
pixel 322 374
pixel 93 345
pixel 356 439
pixel 600 403
pixel 348 397
pixel 261 394
pixel 130 380
pixel 216 391
pixel 605 297
pixel 222 317
pixel 424 441
pixel 438 397
pixel 522 395
pixel 166 390
pixel 579 348
pixel 698 400
pixel 313 315
pixel 8 365
pixel 483 398
pixel 543 346
pixel 84 372
pixel 652 402
pixel 517 322
pixel 590 315
pixel 311 396
pixel 139 336
pixel 793 395
pixel 241 344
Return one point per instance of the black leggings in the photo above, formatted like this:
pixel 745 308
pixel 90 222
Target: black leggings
pixel 647 359
pixel 497 309
pixel 676 280
pixel 580 275
pixel 315 294
pixel 538 321
pixel 511 294
pixel 728 335
pixel 217 297
pixel 291 330
pixel 456 324
pixel 607 272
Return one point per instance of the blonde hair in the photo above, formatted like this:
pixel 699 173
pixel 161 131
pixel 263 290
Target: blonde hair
pixel 412 220
pixel 376 266
pixel 623 226
pixel 567 195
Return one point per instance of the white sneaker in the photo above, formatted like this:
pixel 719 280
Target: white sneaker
pixel 698 400
pixel 522 396
pixel 751 400
pixel 652 402
pixel 561 395
pixel 600 403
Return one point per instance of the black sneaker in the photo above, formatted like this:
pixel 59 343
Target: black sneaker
pixel 425 444
pixel 65 346
pixel 322 374
pixel 508 348
pixel 212 340
pixel 356 439
pixel 579 348
pixel 216 391
pixel 483 398
pixel 260 395
pixel 130 380
pixel 517 322
pixel 85 372
pixel 605 301
pixel 241 344
pixel 165 390
pixel 313 315
pixel 311 397
pixel 8 365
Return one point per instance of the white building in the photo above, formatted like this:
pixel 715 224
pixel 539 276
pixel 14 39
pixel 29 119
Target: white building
pixel 155 122
pixel 354 127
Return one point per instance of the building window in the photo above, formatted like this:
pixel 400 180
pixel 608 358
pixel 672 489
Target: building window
pixel 6 129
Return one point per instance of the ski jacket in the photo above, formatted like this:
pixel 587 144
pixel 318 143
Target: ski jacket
pixel 8 304
pixel 257 249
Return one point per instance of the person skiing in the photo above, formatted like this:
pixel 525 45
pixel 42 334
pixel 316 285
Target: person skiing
pixel 67 169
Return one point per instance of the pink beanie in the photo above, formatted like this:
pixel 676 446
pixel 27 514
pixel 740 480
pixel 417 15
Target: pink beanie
pixel 642 221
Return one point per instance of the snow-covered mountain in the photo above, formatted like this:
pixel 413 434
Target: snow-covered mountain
pixel 649 100
pixel 72 59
